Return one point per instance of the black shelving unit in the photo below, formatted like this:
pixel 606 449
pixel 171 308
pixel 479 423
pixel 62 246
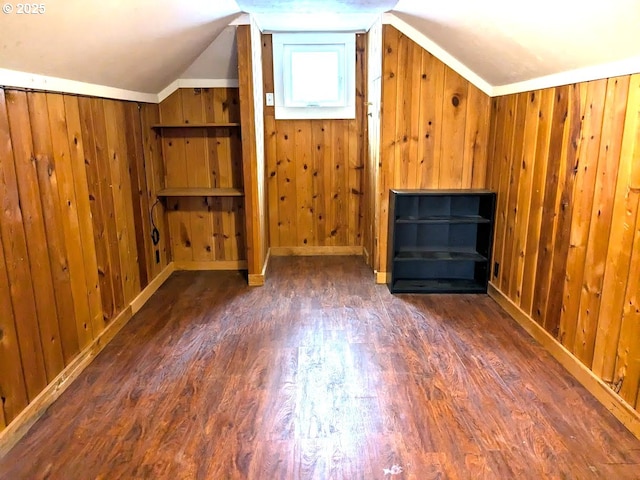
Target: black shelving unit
pixel 440 240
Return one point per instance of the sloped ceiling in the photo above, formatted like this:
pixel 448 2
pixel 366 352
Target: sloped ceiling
pixel 145 45
pixel 219 60
pixel 139 45
pixel 505 42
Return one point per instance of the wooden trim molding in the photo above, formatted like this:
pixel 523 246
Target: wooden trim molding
pixel 629 417
pixel 258 279
pixel 32 81
pixel 215 265
pixel 313 251
pixel 382 277
pixel 144 296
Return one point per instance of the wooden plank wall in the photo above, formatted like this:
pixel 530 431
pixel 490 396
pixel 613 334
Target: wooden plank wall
pixel 434 128
pixel 203 229
pixel 565 162
pixel 74 232
pixel 315 170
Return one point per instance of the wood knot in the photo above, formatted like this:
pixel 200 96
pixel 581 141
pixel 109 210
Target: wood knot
pixel 455 101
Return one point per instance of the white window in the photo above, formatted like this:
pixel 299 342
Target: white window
pixel 314 75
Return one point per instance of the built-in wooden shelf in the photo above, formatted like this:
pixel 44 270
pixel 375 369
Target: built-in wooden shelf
pixel 201 192
pixel 195 125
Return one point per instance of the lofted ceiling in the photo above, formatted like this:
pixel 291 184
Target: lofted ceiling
pixel 145 45
pixel 505 41
pixel 139 45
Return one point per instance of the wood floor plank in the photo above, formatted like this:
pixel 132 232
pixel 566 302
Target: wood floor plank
pixel 322 374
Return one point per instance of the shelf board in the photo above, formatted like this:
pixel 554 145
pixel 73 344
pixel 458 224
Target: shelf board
pixel 439 285
pixel 439 254
pixel 201 192
pixel 196 125
pixel 443 219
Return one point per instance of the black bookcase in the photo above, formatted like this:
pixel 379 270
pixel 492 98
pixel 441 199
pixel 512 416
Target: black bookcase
pixel 440 240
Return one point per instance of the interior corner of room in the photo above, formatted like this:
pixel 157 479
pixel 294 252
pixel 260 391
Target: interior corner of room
pixel 109 185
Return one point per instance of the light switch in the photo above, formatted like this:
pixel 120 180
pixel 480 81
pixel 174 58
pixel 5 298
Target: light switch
pixel 269 99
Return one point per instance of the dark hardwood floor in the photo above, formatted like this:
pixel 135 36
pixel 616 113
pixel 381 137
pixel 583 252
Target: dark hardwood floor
pixel 322 375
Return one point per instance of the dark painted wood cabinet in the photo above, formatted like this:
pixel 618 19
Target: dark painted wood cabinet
pixel 440 240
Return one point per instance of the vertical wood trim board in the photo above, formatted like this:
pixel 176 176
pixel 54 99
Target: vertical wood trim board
pixel 253 151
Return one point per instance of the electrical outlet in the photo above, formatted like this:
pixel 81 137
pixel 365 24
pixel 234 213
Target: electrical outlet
pixel 496 269
pixel 269 99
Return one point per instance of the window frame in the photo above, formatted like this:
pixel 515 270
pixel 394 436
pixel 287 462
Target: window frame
pixel 286 44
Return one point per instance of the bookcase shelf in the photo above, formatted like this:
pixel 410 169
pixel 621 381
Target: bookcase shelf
pixel 440 240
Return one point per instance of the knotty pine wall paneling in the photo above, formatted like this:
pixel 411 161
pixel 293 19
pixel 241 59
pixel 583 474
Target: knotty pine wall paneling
pixel 565 162
pixel 315 171
pixel 435 128
pixel 74 232
pixel 202 229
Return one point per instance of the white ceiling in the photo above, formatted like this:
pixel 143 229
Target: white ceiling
pixel 316 15
pixel 139 45
pixel 145 45
pixel 507 41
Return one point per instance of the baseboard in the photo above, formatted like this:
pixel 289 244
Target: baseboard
pixel 317 250
pixel 258 279
pixel 25 419
pixel 215 265
pixel 382 277
pixel 151 288
pixel 629 417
